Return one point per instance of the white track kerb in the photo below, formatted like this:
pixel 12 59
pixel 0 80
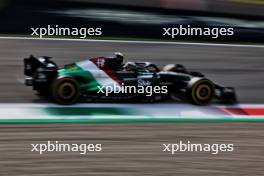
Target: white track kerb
pixel 51 113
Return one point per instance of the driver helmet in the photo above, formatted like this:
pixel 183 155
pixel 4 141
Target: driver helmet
pixel 119 56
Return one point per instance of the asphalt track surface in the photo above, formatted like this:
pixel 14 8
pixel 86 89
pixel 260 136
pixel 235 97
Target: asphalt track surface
pixel 134 148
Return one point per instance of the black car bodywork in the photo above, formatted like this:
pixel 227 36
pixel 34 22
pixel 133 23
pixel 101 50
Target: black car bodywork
pixel 70 84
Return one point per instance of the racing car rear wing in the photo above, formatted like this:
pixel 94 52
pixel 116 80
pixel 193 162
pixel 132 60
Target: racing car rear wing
pixel 34 64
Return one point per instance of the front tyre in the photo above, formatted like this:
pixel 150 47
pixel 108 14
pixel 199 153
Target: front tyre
pixel 200 91
pixel 65 91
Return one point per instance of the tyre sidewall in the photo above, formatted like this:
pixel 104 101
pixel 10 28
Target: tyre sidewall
pixel 197 85
pixel 57 94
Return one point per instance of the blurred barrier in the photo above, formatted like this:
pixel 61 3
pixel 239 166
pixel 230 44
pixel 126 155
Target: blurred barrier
pixel 244 7
pixel 248 7
pixel 185 4
pixel 117 21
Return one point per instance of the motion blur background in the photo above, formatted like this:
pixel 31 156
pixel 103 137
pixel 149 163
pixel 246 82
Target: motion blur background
pixel 134 148
pixel 137 18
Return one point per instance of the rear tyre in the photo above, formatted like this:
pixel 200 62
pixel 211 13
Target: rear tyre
pixel 65 91
pixel 200 91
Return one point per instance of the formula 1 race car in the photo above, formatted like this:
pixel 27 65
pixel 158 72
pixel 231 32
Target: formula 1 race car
pixel 93 78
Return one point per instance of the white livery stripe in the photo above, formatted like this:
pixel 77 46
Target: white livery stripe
pixel 101 77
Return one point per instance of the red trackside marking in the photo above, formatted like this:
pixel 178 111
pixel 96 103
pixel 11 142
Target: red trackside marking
pixel 245 111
